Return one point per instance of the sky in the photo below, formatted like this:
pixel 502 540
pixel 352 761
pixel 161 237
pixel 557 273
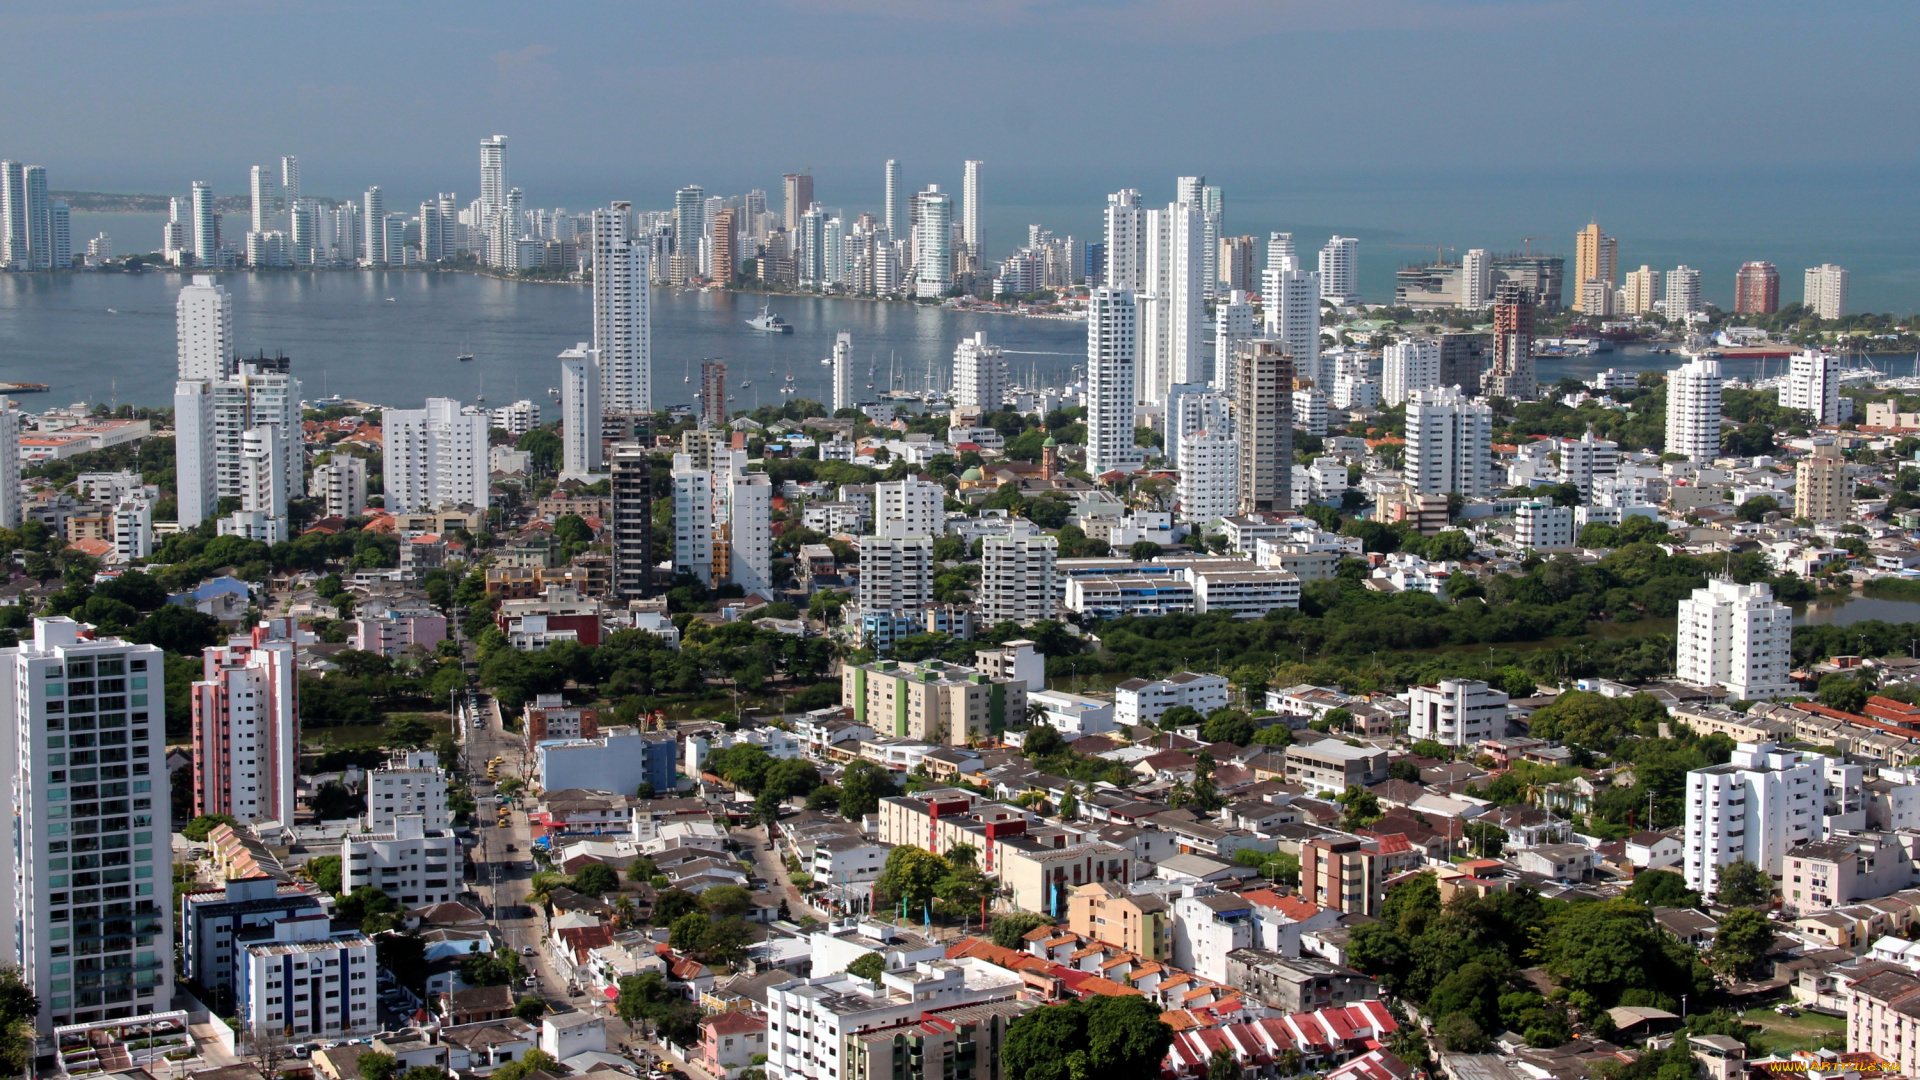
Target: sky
pixel 1457 122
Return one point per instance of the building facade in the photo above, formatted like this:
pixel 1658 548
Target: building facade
pixel 246 728
pixel 1737 637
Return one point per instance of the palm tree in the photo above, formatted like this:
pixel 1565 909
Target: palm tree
pixel 623 912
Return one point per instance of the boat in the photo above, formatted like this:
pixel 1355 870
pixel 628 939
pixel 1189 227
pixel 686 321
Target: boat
pixel 23 388
pixel 465 357
pixel 769 323
pixel 744 383
pixel 827 361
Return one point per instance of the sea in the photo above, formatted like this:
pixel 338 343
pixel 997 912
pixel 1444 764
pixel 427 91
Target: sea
pixel 393 338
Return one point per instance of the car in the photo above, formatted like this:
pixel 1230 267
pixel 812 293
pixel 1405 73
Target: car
pixel 527 951
pixel 530 981
pixel 510 847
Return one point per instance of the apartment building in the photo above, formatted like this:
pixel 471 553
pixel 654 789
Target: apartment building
pixel 813 1024
pixel 413 866
pixel 410 783
pixel 306 980
pixel 1757 806
pixel 1140 701
pixel 1137 922
pixel 210 920
pixel 1456 712
pixel 1332 765
pixel 931 701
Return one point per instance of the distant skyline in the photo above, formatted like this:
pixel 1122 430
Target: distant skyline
pixel 1448 122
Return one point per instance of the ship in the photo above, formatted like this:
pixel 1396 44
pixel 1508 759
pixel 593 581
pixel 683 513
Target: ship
pixel 769 323
pixel 23 388
pixel 464 357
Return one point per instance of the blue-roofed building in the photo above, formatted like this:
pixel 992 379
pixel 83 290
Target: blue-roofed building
pixel 223 598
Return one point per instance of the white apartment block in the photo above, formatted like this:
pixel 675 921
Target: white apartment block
pixel 895 575
pixel 750 532
pixel 87 917
pixel 582 456
pixel 1339 278
pixel 1016 578
pixel 1456 712
pixel 1693 410
pixel 1587 459
pixel 1246 591
pixel 246 728
pixel 1310 411
pixel 203 326
pixel 1753 809
pixel 1826 290
pixel 1813 387
pixel 809 1021
pixel 132 526
pixel 435 457
pixel 340 484
pixel 256 398
pixel 979 374
pixel 412 783
pixel 1738 637
pixel 413 866
pixel 1206 928
pixel 1542 526
pixel 1291 298
pixel 301 978
pixel 1139 701
pixel 516 419
pixel 1209 474
pixel 1111 382
pixel 907 508
pixel 1683 294
pixel 1449 443
pixel 1406 366
pixel 692 519
pixel 622 310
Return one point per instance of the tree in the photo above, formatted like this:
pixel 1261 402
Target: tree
pixel 1362 807
pixel 1042 740
pixel 1121 1038
pixel 911 875
pixel 726 901
pixel 1843 693
pixel 530 1008
pixel 596 878
pixel 862 786
pixel 1757 507
pixel 870 966
pixel 1010 931
pixel 1742 939
pixel 1662 888
pixel 1461 1035
pixel 1742 884
pixel 197 829
pixel 375 1065
pixel 324 871
pixel 18 1009
pixel 1223 1065
pixel 535 1060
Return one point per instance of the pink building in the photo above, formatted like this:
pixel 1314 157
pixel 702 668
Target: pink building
pixel 390 634
pixel 246 726
pixel 729 1041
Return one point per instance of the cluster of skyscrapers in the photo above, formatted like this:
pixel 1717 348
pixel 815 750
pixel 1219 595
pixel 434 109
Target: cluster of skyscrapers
pixel 36 232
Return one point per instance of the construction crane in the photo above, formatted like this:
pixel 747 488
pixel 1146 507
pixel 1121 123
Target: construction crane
pixel 1437 249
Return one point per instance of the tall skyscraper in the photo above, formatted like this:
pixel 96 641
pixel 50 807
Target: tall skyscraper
pixel 1338 272
pixel 1813 387
pixel 1409 365
pixel 196 475
pixel 844 394
pixel 580 414
pixel 1756 289
pixel 1126 241
pixel 84 721
pixel 749 530
pixel 932 243
pixel 1232 324
pixel 622 312
pixel 1641 289
pixel 435 457
pixel 1291 298
pixel 1213 214
pixel 13 215
pixel 289 181
pixel 203 330
pixel 373 223
pixel 1826 291
pixel 340 485
pixel 266 200
pixel 10 512
pixel 1693 411
pixel 1449 443
pixel 1683 294
pixel 1736 636
pixel 39 218
pixel 246 728
pixel 1111 322
pixel 713 394
pixel 1595 258
pixel 1263 424
pixel 632 487
pixel 1512 373
pixel 895 209
pixel 798 191
pixel 979 374
pixel 493 174
pixel 395 235
pixel 1236 265
pixel 970 207
pixel 1173 309
pixel 1476 279
pixel 206 233
pixel 303 228
pixel 726 245
pixel 689 226
pixel 1820 489
pixel 431 233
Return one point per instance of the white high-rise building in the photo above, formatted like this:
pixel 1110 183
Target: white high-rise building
pixel 1753 809
pixel 1813 387
pixel 1476 279
pixel 132 524
pixel 246 728
pixel 909 507
pixel 844 394
pixel 1310 410
pixel 933 244
pixel 86 754
pixel 435 456
pixel 432 233
pixel 1232 324
pixel 1409 365
pixel 1110 381
pixel 580 414
pixel 896 575
pixel 411 782
pixel 304 246
pixel 340 484
pixel 1290 297
pixel 13 216
pixel 1456 712
pixel 1683 294
pixel 256 396
pixel 266 200
pixel 1738 637
pixel 894 213
pixel 1126 241
pixel 979 374
pixel 692 519
pixel 1195 408
pixel 206 230
pixel 1016 578
pixel 1209 460
pixel 1339 280
pixel 1586 460
pixel 9 465
pixel 373 224
pixel 970 206
pixel 415 867
pixel 203 330
pixel 1449 443
pixel 289 181
pixel 493 174
pixel 622 312
pixel 1172 313
pixel 1693 410
pixel 1827 286
pixel 750 532
pixel 263 471
pixel 196 476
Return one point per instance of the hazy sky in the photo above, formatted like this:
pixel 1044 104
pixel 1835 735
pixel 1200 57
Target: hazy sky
pixel 1609 105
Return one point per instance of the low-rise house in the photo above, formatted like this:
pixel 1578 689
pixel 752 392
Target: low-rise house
pixel 480 1048
pixel 730 1041
pixel 1297 984
pixel 1561 862
pixel 477 1005
pixel 1648 850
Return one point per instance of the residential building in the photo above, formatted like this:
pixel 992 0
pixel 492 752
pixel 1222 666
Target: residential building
pixel 1693 410
pixel 749 532
pixel 1822 874
pixel 1349 874
pixel 340 485
pixel 1826 291
pixel 1263 424
pixel 622 311
pixel 410 864
pixel 1476 280
pixel 1512 373
pixel 632 521
pixel 909 508
pixel 1755 808
pixel 816 1027
pixel 246 727
pixel 210 919
pixel 1248 592
pixel 1449 443
pixel 1339 274
pixel 1016 578
pixel 1585 460
pixel 1737 637
pixel 932 243
pixel 1756 289
pixel 1456 712
pixel 1813 387
pixel 1683 295
pixel 1206 927
pixel 1111 374
pixel 203 328
pixel 580 382
pixel 979 374
pixel 1408 365
pixel 932 701
pixel 1172 302
pixel 896 581
pixel 1141 702
pixel 412 782
pixel 617 760
pixel 86 752
pixel 844 392
pixel 1232 325
pixel 1539 525
pixel 1140 923
pixel 1881 1018
pixel 300 977
pixel 1290 295
pixel 1595 258
pixel 434 457
pixel 1209 472
pixel 1641 289
pixel 1332 765
pixel 1820 489
pixel 962 1041
pixel 1298 985
pixel 14 253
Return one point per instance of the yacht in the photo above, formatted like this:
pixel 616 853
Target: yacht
pixel 769 323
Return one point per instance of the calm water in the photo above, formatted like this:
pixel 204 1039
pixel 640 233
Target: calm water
pixel 110 337
pixel 1857 609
